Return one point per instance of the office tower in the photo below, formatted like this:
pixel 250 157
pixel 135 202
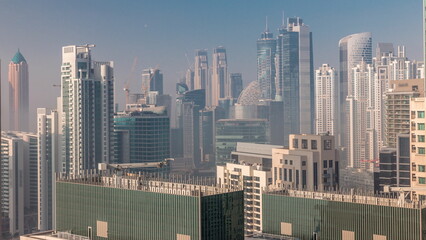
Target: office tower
pixel 266 47
pixel 300 214
pixel 152 80
pixel 397 119
pixel 418 146
pixel 49 163
pixel 231 131
pixel 18 93
pixel 252 178
pixel 219 81
pixel 157 208
pixel 208 118
pixel 311 162
pixel 326 94
pixel 142 135
pixel 18 173
pixel 358 123
pixel 88 108
pixel 394 164
pixel 189 79
pixel 352 50
pixel 235 85
pixel 295 77
pixel 201 74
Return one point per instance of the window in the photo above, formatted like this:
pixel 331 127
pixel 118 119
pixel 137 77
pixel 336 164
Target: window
pixel 291 162
pixel 330 163
pixel 421 168
pixel 303 163
pixel 420 126
pixel 421 114
pixel 285 174
pixel 421 150
pixel 304 144
pixel 421 138
pixel 314 144
pixel 327 144
pixel 290 175
pixel 324 164
pixel 422 180
pixel 295 143
pixel 286 161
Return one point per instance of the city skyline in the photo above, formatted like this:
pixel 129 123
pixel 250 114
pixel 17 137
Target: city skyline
pixel 148 40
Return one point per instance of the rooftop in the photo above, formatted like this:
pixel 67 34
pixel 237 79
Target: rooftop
pixel 18 58
pixel 52 235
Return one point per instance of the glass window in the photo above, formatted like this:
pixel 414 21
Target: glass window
pixel 421 168
pixel 420 126
pixel 421 150
pixel 295 143
pixel 304 144
pixel 314 144
pixel 327 144
pixel 330 163
pixel 422 180
pixel 421 114
pixel 324 164
pixel 421 138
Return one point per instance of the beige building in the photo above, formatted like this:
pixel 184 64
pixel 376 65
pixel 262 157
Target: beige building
pixel 311 162
pixel 418 145
pixel 252 178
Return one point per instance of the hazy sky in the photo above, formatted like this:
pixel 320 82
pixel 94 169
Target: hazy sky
pixel 162 32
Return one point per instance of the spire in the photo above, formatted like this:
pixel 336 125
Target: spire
pixel 266 27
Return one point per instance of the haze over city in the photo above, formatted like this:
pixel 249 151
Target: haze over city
pixel 161 33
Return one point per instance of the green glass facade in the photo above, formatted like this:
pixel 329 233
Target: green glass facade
pixel 329 218
pixel 135 214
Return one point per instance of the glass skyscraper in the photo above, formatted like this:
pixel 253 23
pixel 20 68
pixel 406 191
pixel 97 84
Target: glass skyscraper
pixel 266 47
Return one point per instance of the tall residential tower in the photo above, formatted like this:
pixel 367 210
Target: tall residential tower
pixel 220 85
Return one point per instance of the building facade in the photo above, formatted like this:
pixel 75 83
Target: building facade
pixel 156 209
pixel 266 48
pixel 88 107
pixel 311 162
pixel 142 135
pixel 219 82
pixel 152 80
pixel 18 93
pixel 418 146
pixel 201 73
pixel 231 131
pixel 294 79
pixel 326 96
pixel 235 85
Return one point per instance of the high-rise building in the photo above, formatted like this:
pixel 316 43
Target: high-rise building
pixel 201 73
pixel 142 135
pixel 88 108
pixel 235 85
pixel 101 207
pixel 353 49
pixel 418 145
pixel 152 80
pixel 231 131
pixel 326 102
pixel 18 93
pixel 266 47
pixel 295 77
pixel 311 162
pixel 50 162
pixel 18 173
pixel 397 103
pixel 219 80
pixel 189 79
pixel 358 98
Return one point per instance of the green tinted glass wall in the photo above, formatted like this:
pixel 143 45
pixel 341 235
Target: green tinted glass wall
pixel 129 214
pixel 329 218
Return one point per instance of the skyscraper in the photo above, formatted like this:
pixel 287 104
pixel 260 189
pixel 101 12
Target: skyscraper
pixel 266 47
pixel 352 50
pixel 326 100
pixel 220 85
pixel 152 80
pixel 88 108
pixel 235 85
pixel 295 77
pixel 18 93
pixel 201 73
pixel 189 79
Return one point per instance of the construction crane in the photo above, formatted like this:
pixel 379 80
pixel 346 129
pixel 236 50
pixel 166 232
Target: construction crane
pixel 126 85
